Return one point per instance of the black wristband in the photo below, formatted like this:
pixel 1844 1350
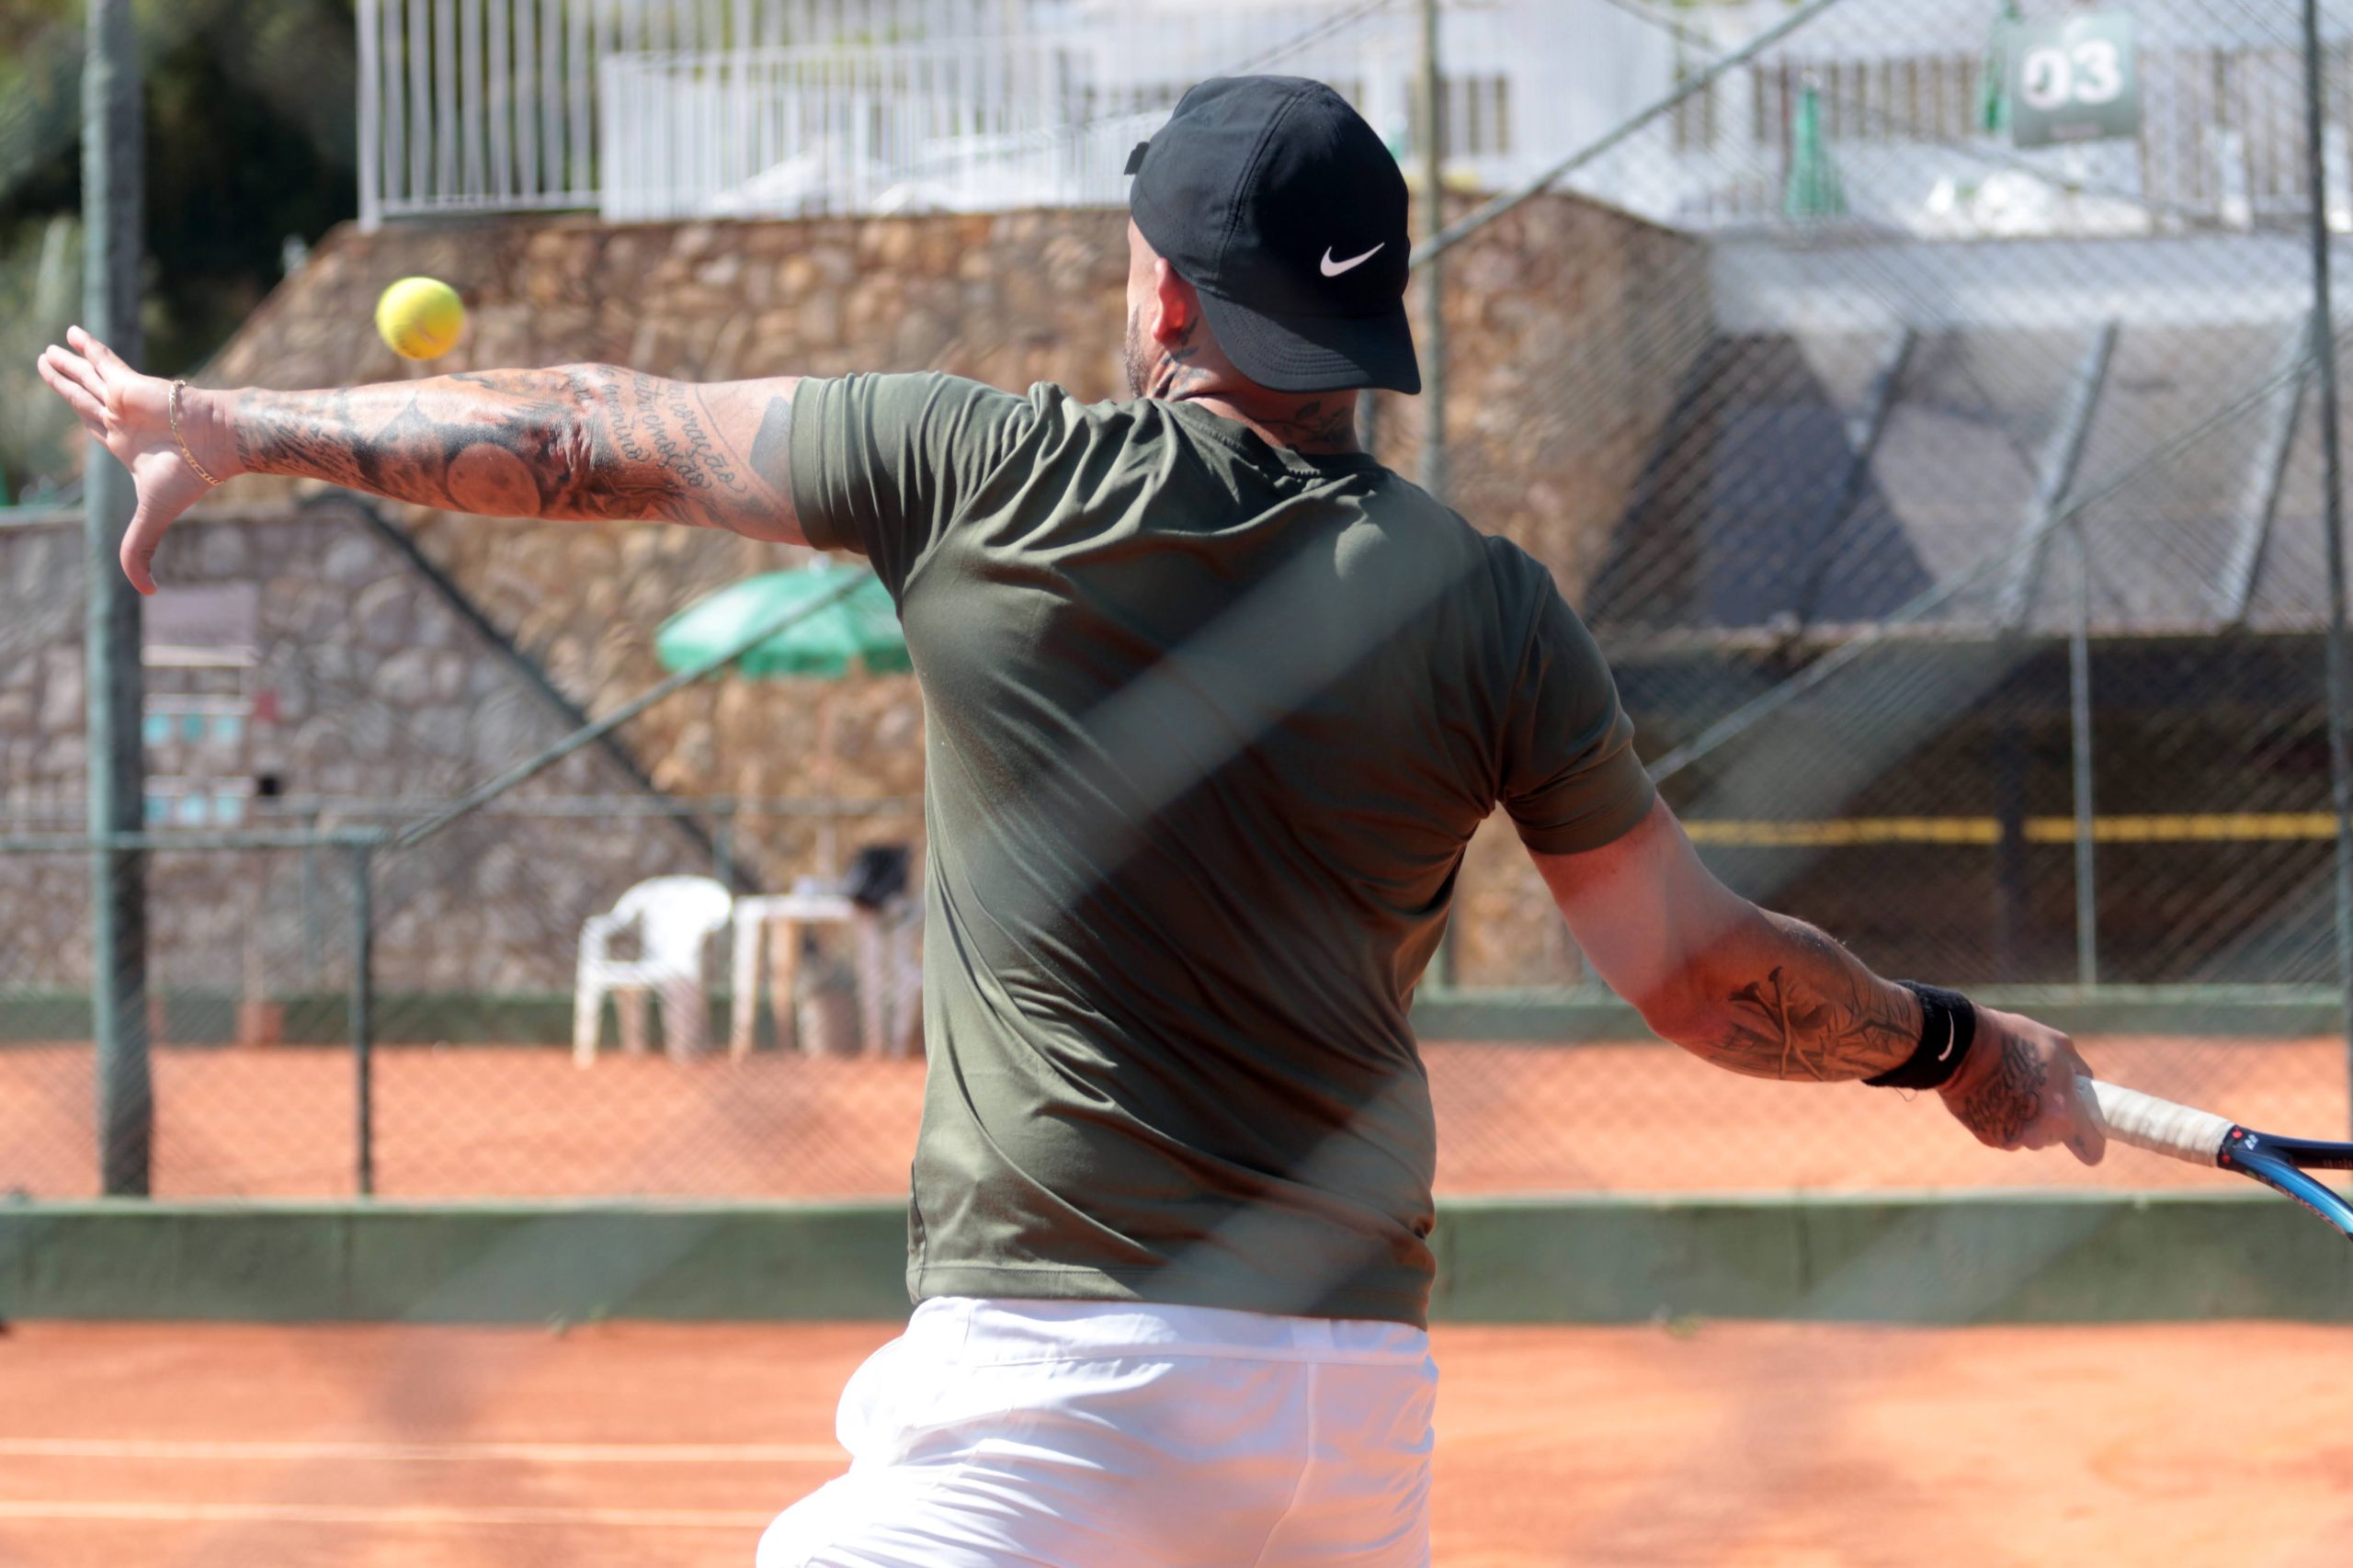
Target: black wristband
pixel 1947 1027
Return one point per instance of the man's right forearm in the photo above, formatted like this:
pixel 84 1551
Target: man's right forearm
pixel 574 442
pixel 1748 990
pixel 1774 997
pixel 1779 999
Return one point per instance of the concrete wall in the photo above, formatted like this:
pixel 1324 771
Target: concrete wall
pixel 2050 1257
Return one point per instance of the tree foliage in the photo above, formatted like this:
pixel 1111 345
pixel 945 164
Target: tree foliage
pixel 251 139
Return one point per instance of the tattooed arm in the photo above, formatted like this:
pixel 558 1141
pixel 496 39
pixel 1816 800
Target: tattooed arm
pixel 1772 998
pixel 579 441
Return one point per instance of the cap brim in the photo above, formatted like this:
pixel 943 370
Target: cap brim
pixel 1304 354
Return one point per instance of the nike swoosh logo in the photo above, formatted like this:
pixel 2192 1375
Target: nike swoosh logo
pixel 1334 269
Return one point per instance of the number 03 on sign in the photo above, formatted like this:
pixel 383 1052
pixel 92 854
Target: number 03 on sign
pixel 2074 80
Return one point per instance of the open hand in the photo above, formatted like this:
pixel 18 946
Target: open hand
pixel 132 414
pixel 2017 1088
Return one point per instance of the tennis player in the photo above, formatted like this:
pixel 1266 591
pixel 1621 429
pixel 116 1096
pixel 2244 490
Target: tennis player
pixel 1215 702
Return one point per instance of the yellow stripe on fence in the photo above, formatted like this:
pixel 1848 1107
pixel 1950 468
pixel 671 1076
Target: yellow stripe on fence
pixel 2217 827
pixel 1846 831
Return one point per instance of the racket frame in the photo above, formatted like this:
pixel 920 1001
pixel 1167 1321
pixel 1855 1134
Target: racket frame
pixel 2281 1164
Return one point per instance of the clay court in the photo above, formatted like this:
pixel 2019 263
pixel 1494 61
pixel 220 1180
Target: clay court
pixel 1742 1444
pixel 488 1123
pixel 1761 1445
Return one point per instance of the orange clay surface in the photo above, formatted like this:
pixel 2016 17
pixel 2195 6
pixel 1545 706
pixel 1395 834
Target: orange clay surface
pixel 490 1122
pixel 669 1447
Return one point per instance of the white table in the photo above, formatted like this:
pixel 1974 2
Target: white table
pixel 882 940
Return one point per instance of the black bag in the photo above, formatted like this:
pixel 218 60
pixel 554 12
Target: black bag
pixel 878 874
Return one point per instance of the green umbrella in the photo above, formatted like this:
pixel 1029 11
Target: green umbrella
pixel 856 630
pixel 1994 80
pixel 1812 189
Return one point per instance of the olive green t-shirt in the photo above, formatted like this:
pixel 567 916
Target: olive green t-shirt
pixel 1209 725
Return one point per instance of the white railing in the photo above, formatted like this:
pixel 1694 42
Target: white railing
pixel 796 132
pixel 659 108
pixel 2221 144
pixel 665 108
pixel 493 104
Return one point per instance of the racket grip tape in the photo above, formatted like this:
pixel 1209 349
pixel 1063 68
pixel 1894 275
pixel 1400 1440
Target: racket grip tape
pixel 2159 1126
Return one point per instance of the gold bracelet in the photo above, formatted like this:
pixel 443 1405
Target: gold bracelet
pixel 177 387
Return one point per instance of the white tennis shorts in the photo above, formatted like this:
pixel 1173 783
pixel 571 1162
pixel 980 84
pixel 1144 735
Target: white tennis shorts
pixel 1113 1435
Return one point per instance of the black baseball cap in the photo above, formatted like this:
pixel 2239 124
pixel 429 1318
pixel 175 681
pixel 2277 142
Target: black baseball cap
pixel 1275 200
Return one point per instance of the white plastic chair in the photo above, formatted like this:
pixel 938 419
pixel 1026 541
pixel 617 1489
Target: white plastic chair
pixel 673 916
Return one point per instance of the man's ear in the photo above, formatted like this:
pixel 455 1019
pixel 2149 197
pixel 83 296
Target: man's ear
pixel 1175 308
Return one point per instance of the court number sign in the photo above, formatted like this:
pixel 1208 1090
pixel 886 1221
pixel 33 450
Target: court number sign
pixel 2072 80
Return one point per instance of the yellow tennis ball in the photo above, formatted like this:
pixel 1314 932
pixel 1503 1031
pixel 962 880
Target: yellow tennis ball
pixel 420 318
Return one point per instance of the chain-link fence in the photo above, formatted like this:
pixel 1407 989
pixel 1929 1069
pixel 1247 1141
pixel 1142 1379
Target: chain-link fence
pixel 1969 576
pixel 1959 432
pixel 1922 404
pixel 423 1040
pixel 381 989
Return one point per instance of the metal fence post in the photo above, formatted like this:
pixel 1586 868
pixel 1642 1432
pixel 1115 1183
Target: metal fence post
pixel 1433 347
pixel 313 958
pixel 2013 889
pixel 2079 723
pixel 1433 356
pixel 2340 752
pixel 371 118
pixel 111 207
pixel 722 844
pixel 362 1009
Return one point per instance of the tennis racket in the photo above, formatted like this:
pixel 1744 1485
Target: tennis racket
pixel 2201 1138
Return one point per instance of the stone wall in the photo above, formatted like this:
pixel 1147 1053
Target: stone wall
pixel 1570 328
pixel 1568 322
pixel 368 686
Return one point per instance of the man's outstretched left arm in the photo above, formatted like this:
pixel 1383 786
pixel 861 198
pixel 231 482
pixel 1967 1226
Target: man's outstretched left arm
pixel 573 442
